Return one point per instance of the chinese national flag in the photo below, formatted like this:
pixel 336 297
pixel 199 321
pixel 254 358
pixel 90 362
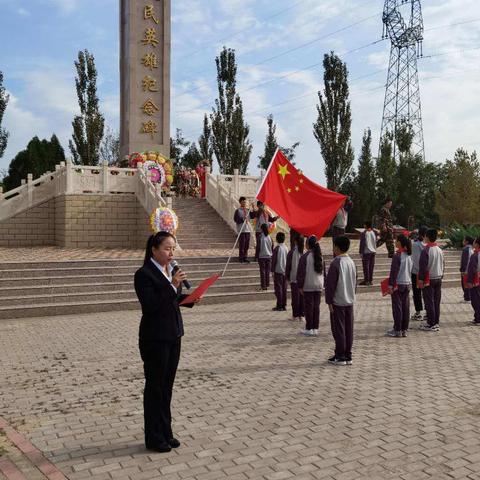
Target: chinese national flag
pixel 307 207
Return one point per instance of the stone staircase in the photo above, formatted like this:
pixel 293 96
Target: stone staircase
pixel 200 226
pixel 56 288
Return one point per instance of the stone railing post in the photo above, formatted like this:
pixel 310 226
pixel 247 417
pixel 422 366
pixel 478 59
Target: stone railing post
pixel 105 177
pixel 169 201
pixel 29 189
pixel 69 177
pixel 236 183
pixel 1 194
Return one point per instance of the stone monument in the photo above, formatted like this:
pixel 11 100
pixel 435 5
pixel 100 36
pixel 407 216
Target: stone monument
pixel 145 44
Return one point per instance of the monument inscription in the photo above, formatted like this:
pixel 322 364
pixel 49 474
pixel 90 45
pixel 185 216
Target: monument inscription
pixel 145 43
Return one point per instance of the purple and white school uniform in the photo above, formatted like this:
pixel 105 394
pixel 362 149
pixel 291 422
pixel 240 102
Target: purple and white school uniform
pixel 279 267
pixel 241 219
pixel 467 252
pixel 473 271
pixel 265 253
pixel 311 282
pixel 340 287
pixel 293 258
pixel 417 249
pixel 432 266
pixel 399 281
pixel 368 250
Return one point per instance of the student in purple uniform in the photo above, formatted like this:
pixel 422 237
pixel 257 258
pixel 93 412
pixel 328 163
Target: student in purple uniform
pixel 262 217
pixel 293 258
pixel 399 286
pixel 368 250
pixel 265 257
pixel 241 218
pixel 310 285
pixel 432 266
pixel 340 289
pixel 417 247
pixel 279 265
pixel 467 252
pixel 472 284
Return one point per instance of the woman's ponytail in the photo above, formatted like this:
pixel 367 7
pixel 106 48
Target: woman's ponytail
pixel 154 241
pixel 314 246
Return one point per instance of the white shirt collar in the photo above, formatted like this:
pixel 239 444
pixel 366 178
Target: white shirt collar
pixel 169 268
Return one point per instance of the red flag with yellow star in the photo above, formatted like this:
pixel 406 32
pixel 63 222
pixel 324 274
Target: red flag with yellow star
pixel 307 207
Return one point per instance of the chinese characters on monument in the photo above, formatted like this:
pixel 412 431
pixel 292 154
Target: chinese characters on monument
pixel 145 76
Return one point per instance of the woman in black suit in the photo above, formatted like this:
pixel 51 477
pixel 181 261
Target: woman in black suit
pixel 158 289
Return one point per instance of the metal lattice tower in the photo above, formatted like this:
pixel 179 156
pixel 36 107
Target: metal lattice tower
pixel 402 96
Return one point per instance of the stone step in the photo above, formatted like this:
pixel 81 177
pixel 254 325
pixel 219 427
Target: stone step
pixel 38 294
pixel 76 308
pixel 118 274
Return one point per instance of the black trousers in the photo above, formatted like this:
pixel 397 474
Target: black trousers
pixel 160 362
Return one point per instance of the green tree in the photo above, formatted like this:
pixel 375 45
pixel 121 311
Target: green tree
pixel 385 171
pixel 4 98
pixel 458 198
pixel 205 141
pixel 192 157
pixel 110 147
pixel 364 198
pixel 230 142
pixel 177 146
pixel 333 126
pixel 39 157
pixel 89 125
pixel 271 146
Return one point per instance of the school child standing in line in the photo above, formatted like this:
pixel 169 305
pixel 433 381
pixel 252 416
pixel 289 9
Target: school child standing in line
pixel 293 257
pixel 265 253
pixel 368 250
pixel 466 254
pixel 432 266
pixel 472 284
pixel 399 286
pixel 310 285
pixel 417 247
pixel 279 266
pixel 340 288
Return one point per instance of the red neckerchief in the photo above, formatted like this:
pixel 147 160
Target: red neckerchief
pixel 401 250
pixel 369 229
pixel 430 245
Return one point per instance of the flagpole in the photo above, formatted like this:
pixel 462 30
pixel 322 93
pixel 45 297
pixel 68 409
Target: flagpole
pixel 234 246
pixel 268 170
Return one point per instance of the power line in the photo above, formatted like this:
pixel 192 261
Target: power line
pixel 206 45
pixel 307 44
pixel 309 67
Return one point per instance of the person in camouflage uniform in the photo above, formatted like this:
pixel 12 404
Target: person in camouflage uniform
pixel 386 228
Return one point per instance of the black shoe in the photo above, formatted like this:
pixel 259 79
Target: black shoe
pixel 336 361
pixel 241 260
pixel 363 283
pixel 161 448
pixel 246 260
pixel 276 309
pixel 174 443
pixel 283 309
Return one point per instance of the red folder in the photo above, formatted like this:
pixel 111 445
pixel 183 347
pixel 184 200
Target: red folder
pixel 384 285
pixel 426 282
pixel 476 280
pixel 201 289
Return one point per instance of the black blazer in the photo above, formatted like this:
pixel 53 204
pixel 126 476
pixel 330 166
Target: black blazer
pixel 161 316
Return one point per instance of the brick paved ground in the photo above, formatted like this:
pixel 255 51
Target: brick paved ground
pixel 252 399
pixel 56 253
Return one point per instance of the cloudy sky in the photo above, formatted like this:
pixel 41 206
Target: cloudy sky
pixel 280 47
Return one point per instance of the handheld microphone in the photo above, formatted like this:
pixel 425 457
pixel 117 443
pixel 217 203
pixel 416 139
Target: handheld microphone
pixel 176 268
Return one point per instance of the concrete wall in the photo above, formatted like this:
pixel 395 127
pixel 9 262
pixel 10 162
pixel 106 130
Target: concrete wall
pixel 80 221
pixel 34 227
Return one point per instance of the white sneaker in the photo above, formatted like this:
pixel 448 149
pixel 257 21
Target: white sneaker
pixel 416 317
pixel 307 333
pixel 315 332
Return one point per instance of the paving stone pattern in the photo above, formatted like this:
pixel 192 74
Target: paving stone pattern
pixel 253 400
